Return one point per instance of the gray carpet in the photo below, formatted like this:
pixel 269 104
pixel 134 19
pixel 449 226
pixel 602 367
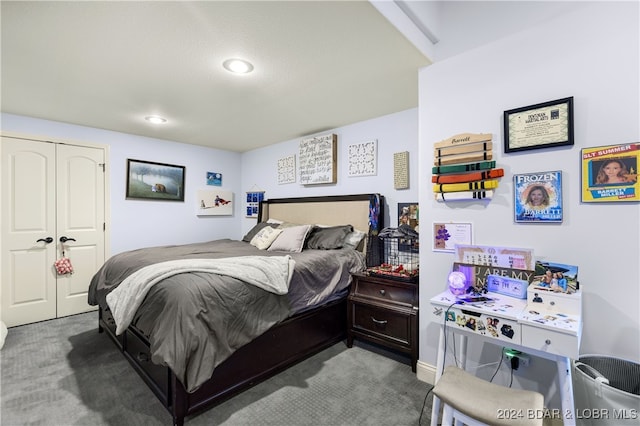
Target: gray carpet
pixel 63 372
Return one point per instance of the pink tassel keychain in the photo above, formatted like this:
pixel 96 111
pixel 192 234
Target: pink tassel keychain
pixel 63 265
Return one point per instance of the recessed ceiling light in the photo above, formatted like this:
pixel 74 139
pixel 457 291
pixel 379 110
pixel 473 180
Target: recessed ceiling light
pixel 155 119
pixel 237 66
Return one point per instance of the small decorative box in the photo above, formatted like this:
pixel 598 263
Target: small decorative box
pixel 507 286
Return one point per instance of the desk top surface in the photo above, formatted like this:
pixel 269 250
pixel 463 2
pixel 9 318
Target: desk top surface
pixel 515 309
pixel 503 306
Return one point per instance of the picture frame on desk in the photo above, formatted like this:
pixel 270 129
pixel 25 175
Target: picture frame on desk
pixel 557 277
pixel 543 125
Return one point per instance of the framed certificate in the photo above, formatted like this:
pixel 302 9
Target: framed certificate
pixel 538 126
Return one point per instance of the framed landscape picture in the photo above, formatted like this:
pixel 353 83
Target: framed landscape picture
pixel 147 180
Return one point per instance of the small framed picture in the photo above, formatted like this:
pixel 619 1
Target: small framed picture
pixel 254 198
pixel 610 173
pixel 543 125
pixel 538 197
pixel 214 178
pixel 409 214
pixel 447 235
pixel 214 202
pixel 147 180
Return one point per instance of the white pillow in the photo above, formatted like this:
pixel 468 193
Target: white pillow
pixel 265 237
pixel 272 220
pixel 353 239
pixel 291 239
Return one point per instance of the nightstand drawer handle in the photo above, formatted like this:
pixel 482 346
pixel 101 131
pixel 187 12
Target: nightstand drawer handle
pixel 382 292
pixel 379 322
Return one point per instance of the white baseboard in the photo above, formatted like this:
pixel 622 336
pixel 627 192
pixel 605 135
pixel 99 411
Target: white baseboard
pixel 426 372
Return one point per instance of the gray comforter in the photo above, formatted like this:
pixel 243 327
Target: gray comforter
pixel 196 320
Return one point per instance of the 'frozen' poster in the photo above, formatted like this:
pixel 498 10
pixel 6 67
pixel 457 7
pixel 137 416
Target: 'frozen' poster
pixel 538 197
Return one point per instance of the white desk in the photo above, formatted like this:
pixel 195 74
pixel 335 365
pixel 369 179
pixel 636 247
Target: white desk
pixel 533 328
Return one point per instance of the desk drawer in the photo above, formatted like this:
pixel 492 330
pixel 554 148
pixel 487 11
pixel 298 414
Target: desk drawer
pixel 543 299
pixel 550 341
pixel 388 324
pixel 483 324
pixel 383 291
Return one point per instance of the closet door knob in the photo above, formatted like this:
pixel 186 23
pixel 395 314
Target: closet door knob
pixel 45 240
pixel 64 239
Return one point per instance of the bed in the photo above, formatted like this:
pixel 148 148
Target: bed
pixel 290 306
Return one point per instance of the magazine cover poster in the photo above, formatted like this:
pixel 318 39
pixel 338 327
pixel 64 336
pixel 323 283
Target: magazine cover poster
pixel 610 173
pixel 538 197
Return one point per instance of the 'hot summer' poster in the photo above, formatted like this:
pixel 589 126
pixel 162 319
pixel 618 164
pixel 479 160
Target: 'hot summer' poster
pixel 538 197
pixel 610 173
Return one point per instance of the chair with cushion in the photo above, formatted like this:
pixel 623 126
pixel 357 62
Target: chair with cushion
pixel 473 401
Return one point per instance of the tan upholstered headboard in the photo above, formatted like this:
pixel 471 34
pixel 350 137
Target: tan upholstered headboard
pixel 329 210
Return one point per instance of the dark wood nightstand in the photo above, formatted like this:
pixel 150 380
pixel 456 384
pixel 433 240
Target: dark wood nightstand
pixel 384 311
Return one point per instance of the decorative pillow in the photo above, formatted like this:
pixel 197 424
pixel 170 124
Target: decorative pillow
pixel 252 233
pixel 328 238
pixel 353 239
pixel 291 239
pixel 283 225
pixel 265 237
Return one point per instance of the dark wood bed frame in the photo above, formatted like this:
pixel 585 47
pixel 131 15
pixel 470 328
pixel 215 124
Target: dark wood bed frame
pixel 282 346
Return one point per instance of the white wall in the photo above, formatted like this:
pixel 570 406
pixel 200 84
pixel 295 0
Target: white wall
pixel 394 133
pixel 143 223
pixel 591 54
pixel 466 25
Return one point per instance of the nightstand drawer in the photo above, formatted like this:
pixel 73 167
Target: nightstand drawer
pixel 385 323
pixel 384 291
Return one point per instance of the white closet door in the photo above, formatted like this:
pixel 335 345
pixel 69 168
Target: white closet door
pixel 80 217
pixel 49 191
pixel 28 215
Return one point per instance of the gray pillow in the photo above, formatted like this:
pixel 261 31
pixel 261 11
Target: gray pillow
pixel 328 238
pixel 292 239
pixel 254 231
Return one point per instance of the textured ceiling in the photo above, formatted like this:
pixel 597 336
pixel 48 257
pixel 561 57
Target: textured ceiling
pixel 318 65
